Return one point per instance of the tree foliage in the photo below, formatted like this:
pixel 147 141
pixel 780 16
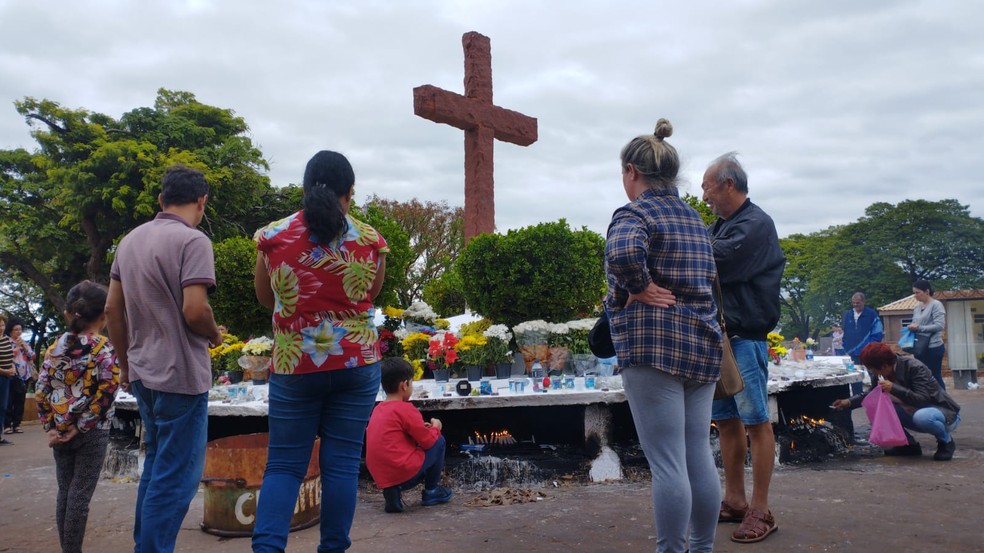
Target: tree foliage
pixel 234 301
pixel 447 293
pixel 436 235
pixel 702 208
pixel 546 271
pixel 64 207
pixel 399 255
pixel 879 255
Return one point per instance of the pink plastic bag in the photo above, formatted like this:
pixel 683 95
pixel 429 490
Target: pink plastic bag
pixel 886 430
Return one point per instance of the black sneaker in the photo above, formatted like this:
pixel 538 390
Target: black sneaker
pixel 944 451
pixel 439 494
pixel 908 450
pixel 394 501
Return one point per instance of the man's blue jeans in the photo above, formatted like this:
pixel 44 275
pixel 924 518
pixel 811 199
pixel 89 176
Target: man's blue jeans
pixel 334 405
pixel 175 431
pixel 430 472
pixel 4 391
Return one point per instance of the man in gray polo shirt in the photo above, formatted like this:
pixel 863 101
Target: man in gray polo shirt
pixel 161 324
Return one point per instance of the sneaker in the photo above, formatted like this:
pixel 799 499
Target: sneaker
pixel 944 451
pixel 437 495
pixel 394 501
pixel 908 450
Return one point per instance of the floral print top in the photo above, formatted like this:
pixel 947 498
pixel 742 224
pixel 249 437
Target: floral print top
pixel 77 383
pixel 322 315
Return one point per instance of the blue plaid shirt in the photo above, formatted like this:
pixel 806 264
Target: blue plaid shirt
pixel 660 238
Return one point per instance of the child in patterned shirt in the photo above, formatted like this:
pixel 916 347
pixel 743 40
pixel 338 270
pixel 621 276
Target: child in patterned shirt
pixel 75 392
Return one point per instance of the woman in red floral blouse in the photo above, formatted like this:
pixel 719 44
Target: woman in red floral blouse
pixel 319 271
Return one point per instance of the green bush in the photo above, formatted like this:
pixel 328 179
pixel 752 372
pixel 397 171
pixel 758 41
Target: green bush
pixel 546 271
pixel 234 301
pixel 446 294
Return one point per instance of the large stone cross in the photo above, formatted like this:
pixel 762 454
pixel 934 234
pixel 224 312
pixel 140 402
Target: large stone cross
pixel 482 122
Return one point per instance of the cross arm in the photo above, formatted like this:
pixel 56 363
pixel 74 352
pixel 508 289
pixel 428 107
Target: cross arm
pixel 442 106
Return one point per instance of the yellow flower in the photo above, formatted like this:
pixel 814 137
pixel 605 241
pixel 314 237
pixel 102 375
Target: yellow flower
pixel 418 368
pixel 392 312
pixel 442 324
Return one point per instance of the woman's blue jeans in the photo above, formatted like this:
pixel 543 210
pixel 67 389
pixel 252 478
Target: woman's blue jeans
pixel 929 420
pixel 334 405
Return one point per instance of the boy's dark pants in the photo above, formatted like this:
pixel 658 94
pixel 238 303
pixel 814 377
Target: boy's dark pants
pixel 430 471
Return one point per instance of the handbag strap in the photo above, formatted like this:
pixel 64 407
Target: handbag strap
pixel 719 300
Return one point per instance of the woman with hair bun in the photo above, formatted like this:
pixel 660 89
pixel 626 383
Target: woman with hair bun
pixel 75 392
pixel 928 322
pixel 319 270
pixel 660 270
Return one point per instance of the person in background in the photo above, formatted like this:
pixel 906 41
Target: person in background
pixel 837 339
pixel 928 322
pixel 861 325
pixel 75 392
pixel 319 271
pixel 401 449
pixel 162 325
pixel 750 265
pixel 921 403
pixel 23 359
pixel 7 374
pixel 660 302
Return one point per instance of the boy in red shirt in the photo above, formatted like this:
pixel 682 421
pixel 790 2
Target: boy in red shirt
pixel 402 449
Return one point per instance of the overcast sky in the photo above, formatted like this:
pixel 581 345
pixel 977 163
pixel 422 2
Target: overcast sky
pixel 832 105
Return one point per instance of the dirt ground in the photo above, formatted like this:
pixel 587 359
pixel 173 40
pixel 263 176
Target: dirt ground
pixel 862 502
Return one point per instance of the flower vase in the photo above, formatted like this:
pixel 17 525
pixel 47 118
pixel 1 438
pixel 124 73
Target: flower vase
pixel 532 352
pixel 442 375
pixel 503 370
pixel 258 367
pixel 235 377
pixel 584 362
pixel 474 372
pixel 559 358
pixel 798 354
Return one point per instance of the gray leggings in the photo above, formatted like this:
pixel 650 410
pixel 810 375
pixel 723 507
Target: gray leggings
pixel 77 467
pixel 673 419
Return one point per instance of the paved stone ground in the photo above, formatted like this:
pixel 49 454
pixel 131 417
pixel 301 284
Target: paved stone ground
pixel 860 503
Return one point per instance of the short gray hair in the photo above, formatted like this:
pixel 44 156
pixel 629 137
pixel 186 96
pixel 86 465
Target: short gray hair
pixel 727 167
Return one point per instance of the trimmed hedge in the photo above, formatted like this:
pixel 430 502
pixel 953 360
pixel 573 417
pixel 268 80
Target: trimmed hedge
pixel 545 271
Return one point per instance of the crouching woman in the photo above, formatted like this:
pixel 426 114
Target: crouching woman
pixel 922 405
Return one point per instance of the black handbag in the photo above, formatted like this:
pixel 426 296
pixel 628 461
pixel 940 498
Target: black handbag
pixel 921 345
pixel 600 338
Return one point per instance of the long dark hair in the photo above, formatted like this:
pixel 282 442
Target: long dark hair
pixel 84 305
pixel 327 177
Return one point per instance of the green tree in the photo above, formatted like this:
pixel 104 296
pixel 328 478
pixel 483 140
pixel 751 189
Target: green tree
pixel 545 271
pixel 64 207
pixel 398 257
pixel 447 293
pixel 702 208
pixel 436 235
pixel 234 301
pixel 937 241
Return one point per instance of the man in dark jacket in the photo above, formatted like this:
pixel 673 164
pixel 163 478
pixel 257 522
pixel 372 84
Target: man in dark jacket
pixel 922 405
pixel 750 264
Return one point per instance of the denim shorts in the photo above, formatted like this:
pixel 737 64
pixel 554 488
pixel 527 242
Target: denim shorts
pixel 751 405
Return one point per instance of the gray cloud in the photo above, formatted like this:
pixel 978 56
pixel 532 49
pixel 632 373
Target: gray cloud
pixel 833 106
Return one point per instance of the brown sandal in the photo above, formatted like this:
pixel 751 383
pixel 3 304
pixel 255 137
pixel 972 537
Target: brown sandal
pixel 731 514
pixel 756 527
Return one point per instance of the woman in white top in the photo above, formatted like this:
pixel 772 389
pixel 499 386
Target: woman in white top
pixel 928 321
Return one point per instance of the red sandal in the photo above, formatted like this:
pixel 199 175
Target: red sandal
pixel 731 514
pixel 756 526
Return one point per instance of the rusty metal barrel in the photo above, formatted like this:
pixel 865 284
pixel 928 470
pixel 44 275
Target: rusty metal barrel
pixel 232 478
